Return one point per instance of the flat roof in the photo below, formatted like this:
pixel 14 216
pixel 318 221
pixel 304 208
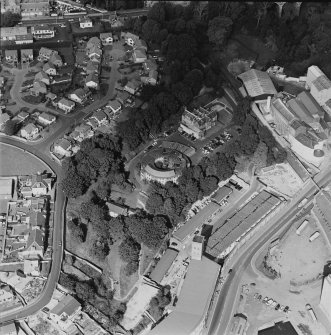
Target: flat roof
pixel 280 328
pixel 196 221
pixel 163 265
pixel 193 301
pixel 225 232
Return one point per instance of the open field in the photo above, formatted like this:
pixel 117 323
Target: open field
pixel 14 162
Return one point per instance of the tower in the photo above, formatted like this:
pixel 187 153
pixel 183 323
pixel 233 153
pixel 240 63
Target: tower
pixel 197 247
pixel 325 302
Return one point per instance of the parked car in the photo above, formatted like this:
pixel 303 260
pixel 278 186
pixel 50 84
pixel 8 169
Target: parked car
pixel 265 299
pixel 286 309
pixel 277 307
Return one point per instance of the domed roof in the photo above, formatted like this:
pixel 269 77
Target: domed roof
pixel 318 153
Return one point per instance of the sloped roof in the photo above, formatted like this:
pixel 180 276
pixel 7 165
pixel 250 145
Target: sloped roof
pixel 114 104
pixel 163 265
pixel 67 305
pixel 47 116
pixel 66 102
pixel 257 83
pixel 310 103
pixel 36 236
pixel 48 65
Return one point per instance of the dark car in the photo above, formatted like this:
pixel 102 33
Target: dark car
pixel 286 309
pixel 277 307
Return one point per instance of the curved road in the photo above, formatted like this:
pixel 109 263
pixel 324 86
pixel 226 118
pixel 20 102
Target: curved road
pixel 53 277
pixel 226 301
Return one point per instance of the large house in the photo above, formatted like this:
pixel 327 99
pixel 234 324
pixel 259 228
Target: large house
pixel 46 53
pixel 91 67
pixel 56 59
pixel 114 105
pixel 42 31
pixel 21 35
pixel 132 86
pixel 33 8
pixel 46 118
pixel 80 95
pixel 49 69
pixel 66 310
pixel 38 88
pixel 92 81
pixel 62 147
pixel 11 56
pixel 98 119
pixel 85 22
pixel 129 38
pixel 139 55
pixel 36 185
pixel 106 38
pixel 34 246
pixel 29 131
pixel 66 105
pixel 26 55
pixel 43 77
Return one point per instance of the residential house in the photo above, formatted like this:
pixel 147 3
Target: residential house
pixel 66 310
pixel 39 184
pixel 132 86
pixel 149 65
pixel 26 55
pixel 39 87
pixel 122 97
pixel 49 69
pixel 62 147
pixel 31 267
pixel 33 8
pixel 85 22
pixel 46 118
pixel 46 53
pixel 29 131
pixel 93 42
pixel 114 105
pixel 66 105
pixel 43 77
pixel 141 44
pixel 4 117
pixel 51 96
pixel 92 81
pixel 151 79
pixel 81 132
pixel 91 67
pixel 42 31
pixel 98 119
pixel 80 95
pixel 22 115
pixel 94 53
pixel 139 55
pixel 129 38
pixel 106 38
pixel 34 246
pixel 11 56
pixel 56 60
pixel 116 210
pixel 24 39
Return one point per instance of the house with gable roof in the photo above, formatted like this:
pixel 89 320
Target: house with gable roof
pixel 46 118
pixel 80 95
pixel 46 53
pixel 92 81
pixel 139 55
pixel 49 69
pixel 43 77
pixel 11 56
pixel 66 105
pixel 132 86
pixel 29 131
pixel 98 119
pixel 26 55
pixel 63 147
pixel 35 245
pixel 56 60
pixel 106 38
pixel 39 87
pixel 85 22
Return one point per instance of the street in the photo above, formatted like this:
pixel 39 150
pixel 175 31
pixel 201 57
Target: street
pixel 226 301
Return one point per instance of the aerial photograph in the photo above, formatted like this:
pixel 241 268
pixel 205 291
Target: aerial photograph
pixel 165 167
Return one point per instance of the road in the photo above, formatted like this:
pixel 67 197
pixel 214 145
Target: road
pixel 58 231
pixel 226 301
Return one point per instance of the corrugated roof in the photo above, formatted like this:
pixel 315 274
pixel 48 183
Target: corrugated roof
pixel 163 265
pixel 193 301
pixel 257 83
pixel 310 103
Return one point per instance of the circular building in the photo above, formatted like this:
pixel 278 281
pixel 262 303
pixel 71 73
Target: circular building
pixel 163 165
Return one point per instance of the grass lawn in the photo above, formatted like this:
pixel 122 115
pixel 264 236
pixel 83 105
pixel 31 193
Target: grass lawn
pixel 146 258
pixel 10 166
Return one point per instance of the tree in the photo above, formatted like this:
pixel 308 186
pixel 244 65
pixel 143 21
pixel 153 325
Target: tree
pixel 99 249
pixel 11 127
pixel 219 29
pixel 157 12
pixel 194 79
pixel 129 250
pixel 77 233
pixel 68 281
pixel 86 291
pixel 115 228
pixel 9 19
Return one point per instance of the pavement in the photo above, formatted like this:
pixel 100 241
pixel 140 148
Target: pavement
pixel 226 302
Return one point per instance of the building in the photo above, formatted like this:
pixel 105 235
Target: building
pixel 21 35
pixel 26 55
pixel 140 44
pixel 114 105
pixel 38 88
pixel 56 59
pixel 66 309
pixel 258 84
pixel 46 53
pixel 221 194
pixel 198 121
pixel 122 97
pixel 189 314
pixel 116 210
pixel 239 325
pixel 31 267
pixel 151 79
pixel 37 185
pixel 94 54
pixel 6 188
pixel 35 245
pixel 30 131
pixel 197 247
pixel 66 105
pixel 46 118
pixel 85 22
pixel 4 117
pixel 62 147
pixel 11 56
pixel 33 8
pixel 12 6
pixel 163 265
pixel 43 77
pixel 91 67
pixel 106 38
pixel 92 81
pixel 320 87
pixel 8 329
pixel 49 69
pixel 99 118
pixel 129 38
pixel 279 328
pixel 322 210
pixel 93 42
pixel 42 31
pixel 22 115
pixel 139 55
pixel 80 95
pixel 132 86
pixel 325 302
pixel 149 65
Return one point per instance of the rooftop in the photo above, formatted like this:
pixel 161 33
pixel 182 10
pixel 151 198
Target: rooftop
pixel 257 83
pixel 193 301
pixel 221 193
pixel 163 265
pixel 323 212
pixel 280 328
pixel 67 305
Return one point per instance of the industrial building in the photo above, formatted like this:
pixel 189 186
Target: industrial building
pixel 325 302
pixel 227 233
pixel 322 211
pixel 189 314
